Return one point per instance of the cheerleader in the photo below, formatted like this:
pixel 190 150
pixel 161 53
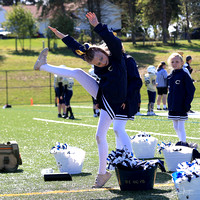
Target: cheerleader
pixel 180 96
pixel 110 92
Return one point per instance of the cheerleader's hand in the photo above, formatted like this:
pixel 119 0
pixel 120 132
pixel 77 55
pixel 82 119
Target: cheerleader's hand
pixel 92 18
pixel 57 33
pixel 123 106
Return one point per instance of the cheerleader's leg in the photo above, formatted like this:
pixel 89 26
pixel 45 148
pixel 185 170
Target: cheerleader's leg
pixel 87 81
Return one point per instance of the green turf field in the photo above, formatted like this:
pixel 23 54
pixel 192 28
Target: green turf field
pixel 35 135
pixel 150 54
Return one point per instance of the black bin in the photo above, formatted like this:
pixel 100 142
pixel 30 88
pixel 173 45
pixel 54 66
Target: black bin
pixel 132 179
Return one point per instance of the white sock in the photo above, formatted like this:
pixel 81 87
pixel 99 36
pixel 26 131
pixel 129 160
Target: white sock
pixel 179 127
pixel 122 138
pixel 158 106
pixel 182 133
pixel 103 126
pixel 164 106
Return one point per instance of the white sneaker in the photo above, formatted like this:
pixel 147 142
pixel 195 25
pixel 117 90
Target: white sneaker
pixel 95 115
pixel 138 114
pixel 152 113
pixel 148 113
pixel 42 59
pixel 101 180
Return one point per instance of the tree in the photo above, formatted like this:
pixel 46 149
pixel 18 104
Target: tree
pixel 194 8
pixel 160 13
pixel 60 17
pixel 94 6
pixel 187 20
pixel 10 2
pixel 130 21
pixel 164 22
pixel 21 23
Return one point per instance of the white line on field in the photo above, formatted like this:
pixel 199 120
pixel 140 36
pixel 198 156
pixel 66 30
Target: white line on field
pixel 94 126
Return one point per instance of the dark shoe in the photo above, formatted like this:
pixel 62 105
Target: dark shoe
pixel 64 116
pixel 71 117
pixel 159 109
pixel 180 143
pixel 191 111
pixel 165 108
pixel 59 116
pixel 193 145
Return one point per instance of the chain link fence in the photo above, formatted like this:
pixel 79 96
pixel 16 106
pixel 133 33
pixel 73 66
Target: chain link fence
pixel 18 87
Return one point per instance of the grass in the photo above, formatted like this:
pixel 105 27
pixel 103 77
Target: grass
pixel 150 54
pixel 36 138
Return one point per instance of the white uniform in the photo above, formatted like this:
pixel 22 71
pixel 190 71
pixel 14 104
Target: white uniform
pixel 57 79
pixel 69 82
pixel 150 82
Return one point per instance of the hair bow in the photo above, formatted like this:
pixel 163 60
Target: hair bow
pixel 82 49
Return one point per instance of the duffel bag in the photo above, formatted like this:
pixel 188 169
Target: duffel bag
pixel 10 157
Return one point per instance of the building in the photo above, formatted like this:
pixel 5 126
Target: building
pixel 110 14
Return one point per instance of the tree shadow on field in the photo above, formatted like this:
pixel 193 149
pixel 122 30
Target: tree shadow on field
pixel 2 58
pixel 143 59
pixel 17 171
pixel 162 177
pixel 65 51
pixel 141 194
pixel 25 53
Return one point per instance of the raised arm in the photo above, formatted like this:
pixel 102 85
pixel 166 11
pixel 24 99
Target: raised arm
pixel 69 41
pixel 113 43
pixel 57 33
pixel 92 19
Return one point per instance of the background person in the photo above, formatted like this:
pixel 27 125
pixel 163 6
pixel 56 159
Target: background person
pixel 187 64
pixel 189 70
pixel 161 85
pixel 58 82
pixel 130 106
pixel 68 83
pixel 150 82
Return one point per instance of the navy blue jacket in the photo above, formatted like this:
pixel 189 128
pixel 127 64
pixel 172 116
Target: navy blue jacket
pixel 113 78
pixel 181 91
pixel 134 83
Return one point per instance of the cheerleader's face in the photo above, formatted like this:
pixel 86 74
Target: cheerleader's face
pixel 176 62
pixel 100 59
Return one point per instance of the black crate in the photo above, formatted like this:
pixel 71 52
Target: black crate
pixel 131 179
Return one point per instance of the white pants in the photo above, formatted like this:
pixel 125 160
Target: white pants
pixel 122 138
pixel 179 127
